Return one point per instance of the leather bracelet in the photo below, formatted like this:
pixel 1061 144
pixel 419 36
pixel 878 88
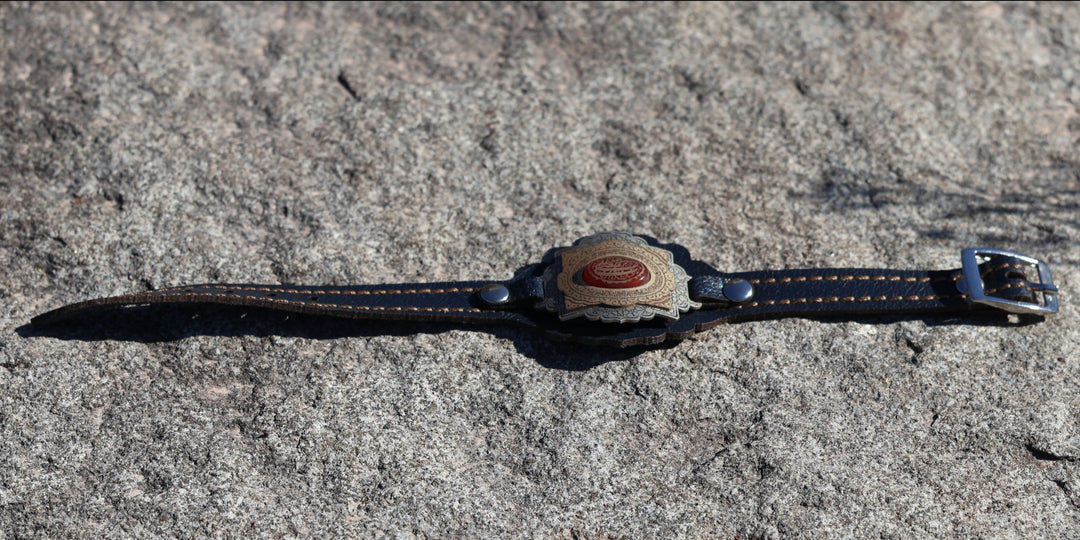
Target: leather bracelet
pixel 624 290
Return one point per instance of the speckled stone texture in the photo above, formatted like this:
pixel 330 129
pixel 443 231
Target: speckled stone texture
pixel 144 146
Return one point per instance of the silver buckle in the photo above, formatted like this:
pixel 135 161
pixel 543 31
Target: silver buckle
pixel 972 281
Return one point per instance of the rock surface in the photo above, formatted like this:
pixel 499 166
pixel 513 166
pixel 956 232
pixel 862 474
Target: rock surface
pixel 144 146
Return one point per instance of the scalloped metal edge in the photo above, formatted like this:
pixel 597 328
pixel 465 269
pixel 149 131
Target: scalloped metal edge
pixel 554 301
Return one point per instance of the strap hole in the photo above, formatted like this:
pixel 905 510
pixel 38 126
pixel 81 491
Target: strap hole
pixel 230 291
pixel 271 295
pixel 313 298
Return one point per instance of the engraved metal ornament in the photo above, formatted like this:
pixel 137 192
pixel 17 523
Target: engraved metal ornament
pixel 665 294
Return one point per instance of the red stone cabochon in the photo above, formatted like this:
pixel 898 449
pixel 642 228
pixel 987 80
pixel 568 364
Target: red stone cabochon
pixel 615 272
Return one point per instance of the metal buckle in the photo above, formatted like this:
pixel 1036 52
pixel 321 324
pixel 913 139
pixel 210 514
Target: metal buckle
pixel 972 281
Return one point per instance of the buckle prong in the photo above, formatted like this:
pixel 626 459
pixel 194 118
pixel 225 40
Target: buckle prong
pixel 1049 287
pixel 973 283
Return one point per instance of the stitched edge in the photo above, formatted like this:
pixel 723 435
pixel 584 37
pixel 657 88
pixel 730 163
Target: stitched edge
pixel 868 277
pixel 317 291
pixel 852 278
pixel 324 305
pixel 1017 266
pixel 848 299
pixel 1002 288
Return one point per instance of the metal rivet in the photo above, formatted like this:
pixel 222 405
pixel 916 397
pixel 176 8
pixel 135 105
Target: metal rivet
pixel 494 293
pixel 738 290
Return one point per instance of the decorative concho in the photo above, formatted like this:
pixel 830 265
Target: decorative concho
pixel 616 277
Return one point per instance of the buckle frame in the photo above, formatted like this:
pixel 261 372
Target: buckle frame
pixel 973 283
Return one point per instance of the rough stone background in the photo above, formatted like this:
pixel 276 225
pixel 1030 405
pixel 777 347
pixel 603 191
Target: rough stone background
pixel 152 145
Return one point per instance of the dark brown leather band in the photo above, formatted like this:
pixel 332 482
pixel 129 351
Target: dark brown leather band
pixel 847 291
pixel 450 301
pixel 1003 281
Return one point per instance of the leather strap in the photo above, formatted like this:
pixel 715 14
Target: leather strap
pixel 447 301
pixel 522 300
pixel 848 291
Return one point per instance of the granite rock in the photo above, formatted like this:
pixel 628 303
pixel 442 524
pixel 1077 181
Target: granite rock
pixel 144 146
